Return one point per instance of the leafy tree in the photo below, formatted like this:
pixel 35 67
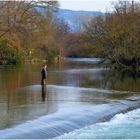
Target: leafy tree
pixel 8 55
pixel 27 30
pixel 117 35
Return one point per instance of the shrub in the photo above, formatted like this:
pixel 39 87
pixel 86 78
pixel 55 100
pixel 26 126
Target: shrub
pixel 8 54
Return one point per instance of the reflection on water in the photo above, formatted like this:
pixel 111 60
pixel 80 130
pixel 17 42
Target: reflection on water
pixel 43 93
pixel 77 82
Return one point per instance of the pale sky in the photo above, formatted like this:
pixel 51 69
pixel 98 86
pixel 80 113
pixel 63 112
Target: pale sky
pixel 88 5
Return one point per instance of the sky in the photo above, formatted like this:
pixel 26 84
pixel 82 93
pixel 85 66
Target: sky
pixel 88 5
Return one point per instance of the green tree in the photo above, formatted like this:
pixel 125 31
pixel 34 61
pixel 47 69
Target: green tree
pixel 8 55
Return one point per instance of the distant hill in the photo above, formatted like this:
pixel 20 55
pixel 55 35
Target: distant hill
pixel 75 19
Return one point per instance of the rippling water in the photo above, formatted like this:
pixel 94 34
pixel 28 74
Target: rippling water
pixel 79 93
pixel 122 126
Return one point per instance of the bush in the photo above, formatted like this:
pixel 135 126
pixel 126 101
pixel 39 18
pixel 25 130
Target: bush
pixel 8 54
pixel 117 35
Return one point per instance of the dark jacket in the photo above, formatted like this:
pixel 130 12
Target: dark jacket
pixel 44 73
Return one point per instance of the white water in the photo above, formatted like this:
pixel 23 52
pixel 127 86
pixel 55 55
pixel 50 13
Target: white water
pixel 122 126
pixel 68 119
pixel 72 108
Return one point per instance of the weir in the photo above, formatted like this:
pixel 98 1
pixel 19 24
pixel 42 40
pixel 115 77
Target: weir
pixel 66 120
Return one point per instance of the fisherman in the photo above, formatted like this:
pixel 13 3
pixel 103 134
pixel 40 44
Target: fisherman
pixel 44 74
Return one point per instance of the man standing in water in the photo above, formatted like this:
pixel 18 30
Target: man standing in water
pixel 44 74
pixel 43 81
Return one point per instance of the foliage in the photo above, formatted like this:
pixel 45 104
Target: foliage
pixel 117 35
pixel 27 30
pixel 8 55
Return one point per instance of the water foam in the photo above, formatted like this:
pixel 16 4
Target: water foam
pixel 121 126
pixel 68 119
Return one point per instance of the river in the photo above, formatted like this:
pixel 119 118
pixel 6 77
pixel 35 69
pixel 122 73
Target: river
pixel 80 94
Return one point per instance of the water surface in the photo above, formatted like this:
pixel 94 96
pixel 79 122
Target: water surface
pixel 122 126
pixel 74 84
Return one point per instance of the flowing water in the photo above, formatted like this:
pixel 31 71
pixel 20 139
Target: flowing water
pixel 80 94
pixel 122 126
